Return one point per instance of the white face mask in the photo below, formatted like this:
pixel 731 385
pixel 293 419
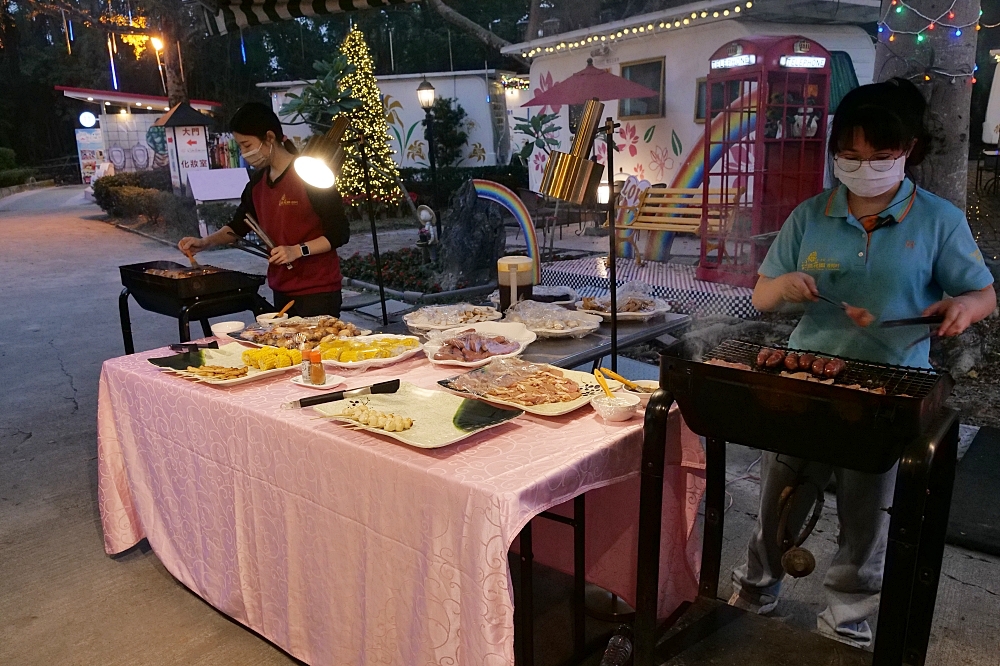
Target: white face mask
pixel 867 182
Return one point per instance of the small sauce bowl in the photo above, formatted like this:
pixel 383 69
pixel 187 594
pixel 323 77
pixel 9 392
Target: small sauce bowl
pixel 620 407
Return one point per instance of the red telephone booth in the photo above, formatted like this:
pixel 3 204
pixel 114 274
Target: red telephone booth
pixel 765 148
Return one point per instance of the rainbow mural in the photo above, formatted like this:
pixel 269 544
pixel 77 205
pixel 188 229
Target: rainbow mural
pixel 729 126
pixel 500 194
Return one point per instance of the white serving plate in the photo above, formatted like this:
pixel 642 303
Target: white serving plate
pixel 376 362
pixel 588 389
pixel 439 418
pixel 418 325
pixel 660 307
pixel 513 331
pixel 228 355
pixel 332 381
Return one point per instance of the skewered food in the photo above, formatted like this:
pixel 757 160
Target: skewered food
pixel 546 317
pixel 356 350
pixel 542 387
pixel 627 304
pixel 791 361
pixel 181 273
pixel 363 415
pixel 293 332
pixel 806 361
pixel 472 346
pixel 219 372
pixel 451 315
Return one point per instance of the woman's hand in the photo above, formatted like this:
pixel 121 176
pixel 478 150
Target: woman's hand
pixel 962 311
pixel 192 245
pixel 788 288
pixel 284 254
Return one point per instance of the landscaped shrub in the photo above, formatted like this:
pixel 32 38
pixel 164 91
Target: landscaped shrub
pixel 216 215
pixel 12 177
pixel 8 159
pixel 401 269
pixel 450 179
pixel 157 179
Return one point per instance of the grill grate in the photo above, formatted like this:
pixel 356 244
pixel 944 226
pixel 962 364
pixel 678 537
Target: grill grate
pixel 896 380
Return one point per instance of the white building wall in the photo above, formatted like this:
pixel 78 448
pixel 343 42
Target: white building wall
pixel 404 115
pixel 653 155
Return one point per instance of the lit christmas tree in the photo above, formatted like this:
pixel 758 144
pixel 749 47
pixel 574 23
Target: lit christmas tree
pixel 367 121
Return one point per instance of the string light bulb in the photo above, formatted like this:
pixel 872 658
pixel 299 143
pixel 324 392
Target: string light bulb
pixel 920 37
pixel 958 32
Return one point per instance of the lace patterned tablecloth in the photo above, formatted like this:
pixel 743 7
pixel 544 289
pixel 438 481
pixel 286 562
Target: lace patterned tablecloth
pixel 344 547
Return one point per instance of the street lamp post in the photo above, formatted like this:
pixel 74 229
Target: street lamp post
pixel 425 95
pixel 157 47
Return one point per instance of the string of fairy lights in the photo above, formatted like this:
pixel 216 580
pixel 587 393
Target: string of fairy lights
pixel 645 28
pixel 945 22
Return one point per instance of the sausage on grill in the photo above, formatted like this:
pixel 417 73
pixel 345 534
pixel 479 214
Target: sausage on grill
pixel 806 361
pixel 763 355
pixel 791 361
pixel 775 359
pixel 818 365
pixel 833 367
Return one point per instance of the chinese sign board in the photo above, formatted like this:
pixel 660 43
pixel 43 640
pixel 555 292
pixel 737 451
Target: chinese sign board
pixel 188 150
pixel 90 149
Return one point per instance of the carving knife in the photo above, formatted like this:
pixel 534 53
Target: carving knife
pixel 382 387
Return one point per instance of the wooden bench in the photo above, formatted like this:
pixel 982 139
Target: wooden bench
pixel 679 209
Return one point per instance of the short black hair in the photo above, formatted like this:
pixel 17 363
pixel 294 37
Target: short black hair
pixel 890 114
pixel 256 119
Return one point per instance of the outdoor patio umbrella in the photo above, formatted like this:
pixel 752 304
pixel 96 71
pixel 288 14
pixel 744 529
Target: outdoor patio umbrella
pixel 588 83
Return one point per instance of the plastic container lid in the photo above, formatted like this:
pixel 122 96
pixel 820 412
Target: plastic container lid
pixel 518 264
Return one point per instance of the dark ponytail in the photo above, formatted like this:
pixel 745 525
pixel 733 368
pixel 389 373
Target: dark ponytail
pixel 890 114
pixel 256 119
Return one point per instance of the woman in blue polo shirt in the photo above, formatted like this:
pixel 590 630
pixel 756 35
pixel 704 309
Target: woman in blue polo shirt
pixel 881 243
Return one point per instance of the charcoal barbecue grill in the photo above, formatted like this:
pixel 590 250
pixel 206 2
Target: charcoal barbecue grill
pixel 829 423
pixel 199 294
pixel 833 424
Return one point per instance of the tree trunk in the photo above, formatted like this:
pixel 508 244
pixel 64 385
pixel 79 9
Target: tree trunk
pixel 472 28
pixel 176 86
pixel 534 21
pixel 948 61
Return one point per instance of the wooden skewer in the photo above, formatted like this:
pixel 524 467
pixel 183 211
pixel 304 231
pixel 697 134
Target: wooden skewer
pixel 603 383
pixel 627 382
pixel 285 309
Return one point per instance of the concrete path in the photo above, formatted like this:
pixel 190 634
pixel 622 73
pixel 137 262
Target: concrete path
pixel 63 601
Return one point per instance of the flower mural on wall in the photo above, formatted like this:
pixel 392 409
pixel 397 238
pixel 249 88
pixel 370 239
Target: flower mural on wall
pixel 539 160
pixel 601 151
pixel 416 150
pixel 630 136
pixel 397 127
pixel 477 154
pixel 639 171
pixel 544 83
pixel 660 161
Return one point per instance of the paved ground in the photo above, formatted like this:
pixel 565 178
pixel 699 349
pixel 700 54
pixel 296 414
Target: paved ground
pixel 62 601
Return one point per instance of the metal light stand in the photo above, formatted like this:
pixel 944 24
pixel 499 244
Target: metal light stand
pixel 371 218
pixel 431 158
pixel 609 134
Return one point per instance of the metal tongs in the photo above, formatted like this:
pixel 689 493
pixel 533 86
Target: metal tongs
pixel 268 243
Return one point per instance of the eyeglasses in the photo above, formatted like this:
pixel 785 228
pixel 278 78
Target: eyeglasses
pixel 878 163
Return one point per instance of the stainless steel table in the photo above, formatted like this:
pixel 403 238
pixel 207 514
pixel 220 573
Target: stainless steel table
pixel 573 352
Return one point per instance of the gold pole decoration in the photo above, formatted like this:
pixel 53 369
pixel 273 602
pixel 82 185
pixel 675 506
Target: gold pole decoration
pixel 571 177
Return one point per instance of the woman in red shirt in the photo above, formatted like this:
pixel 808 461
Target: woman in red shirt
pixel 305 223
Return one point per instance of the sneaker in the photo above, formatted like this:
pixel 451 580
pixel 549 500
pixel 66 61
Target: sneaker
pixel 761 604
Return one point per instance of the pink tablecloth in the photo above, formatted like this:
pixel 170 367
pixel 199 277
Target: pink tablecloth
pixel 347 548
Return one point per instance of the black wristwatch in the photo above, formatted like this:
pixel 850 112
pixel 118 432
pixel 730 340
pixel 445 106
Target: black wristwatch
pixel 304 249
